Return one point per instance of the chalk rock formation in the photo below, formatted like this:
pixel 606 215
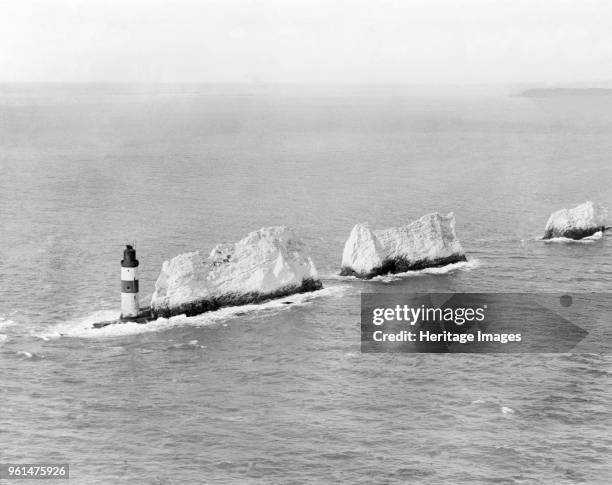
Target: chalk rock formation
pixel 269 263
pixel 582 221
pixel 427 242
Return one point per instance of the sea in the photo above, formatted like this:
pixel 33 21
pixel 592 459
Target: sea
pixel 280 393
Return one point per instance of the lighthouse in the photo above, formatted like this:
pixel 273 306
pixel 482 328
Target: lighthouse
pixel 129 284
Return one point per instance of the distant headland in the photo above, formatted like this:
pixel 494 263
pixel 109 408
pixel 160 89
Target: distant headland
pixel 559 92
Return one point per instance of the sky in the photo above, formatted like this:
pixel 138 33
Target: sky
pixel 306 41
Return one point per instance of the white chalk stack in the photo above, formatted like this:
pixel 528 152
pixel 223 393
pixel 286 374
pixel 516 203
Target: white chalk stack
pixel 582 221
pixel 266 264
pixel 427 242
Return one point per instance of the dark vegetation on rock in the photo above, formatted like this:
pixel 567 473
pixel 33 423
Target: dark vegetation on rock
pixel 401 265
pixel 573 233
pixel 210 304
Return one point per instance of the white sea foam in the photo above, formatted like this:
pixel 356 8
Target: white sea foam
pixel 192 344
pixel 6 322
pixel 83 328
pixel 493 404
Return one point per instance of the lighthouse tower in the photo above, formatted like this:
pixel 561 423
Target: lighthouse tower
pixel 129 284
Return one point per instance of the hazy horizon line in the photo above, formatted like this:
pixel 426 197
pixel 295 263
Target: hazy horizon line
pixel 551 84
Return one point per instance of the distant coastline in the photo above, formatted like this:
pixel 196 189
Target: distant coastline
pixel 559 92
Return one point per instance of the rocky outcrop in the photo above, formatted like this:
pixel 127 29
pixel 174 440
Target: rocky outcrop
pixel 269 263
pixel 582 221
pixel 425 243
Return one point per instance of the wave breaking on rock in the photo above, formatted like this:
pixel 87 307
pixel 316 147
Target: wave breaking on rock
pixel 428 242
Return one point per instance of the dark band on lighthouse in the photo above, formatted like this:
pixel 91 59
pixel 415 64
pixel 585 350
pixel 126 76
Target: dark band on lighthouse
pixel 129 286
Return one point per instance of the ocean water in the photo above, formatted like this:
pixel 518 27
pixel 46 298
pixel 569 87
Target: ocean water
pixel 279 393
